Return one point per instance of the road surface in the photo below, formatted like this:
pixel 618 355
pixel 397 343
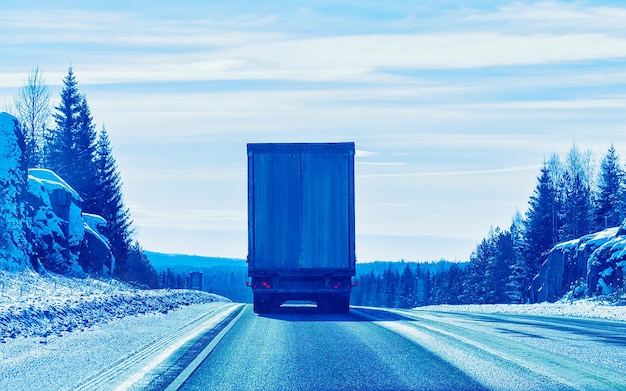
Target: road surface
pixel 375 349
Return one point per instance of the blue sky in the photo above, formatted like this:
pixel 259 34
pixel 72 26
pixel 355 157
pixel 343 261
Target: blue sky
pixel 453 105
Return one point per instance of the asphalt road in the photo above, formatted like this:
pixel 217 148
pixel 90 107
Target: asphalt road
pixel 372 349
pixel 310 351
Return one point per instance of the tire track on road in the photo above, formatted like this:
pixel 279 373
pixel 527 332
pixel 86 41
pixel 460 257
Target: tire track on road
pixel 489 358
pixel 130 372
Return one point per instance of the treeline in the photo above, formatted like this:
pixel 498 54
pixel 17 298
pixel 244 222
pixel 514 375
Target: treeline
pixel 227 281
pixel 64 139
pixel 397 284
pixel 573 197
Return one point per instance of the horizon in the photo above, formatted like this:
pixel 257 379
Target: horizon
pixel 453 107
pixel 357 261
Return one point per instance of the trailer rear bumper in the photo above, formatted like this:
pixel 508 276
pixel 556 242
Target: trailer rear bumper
pixel 331 294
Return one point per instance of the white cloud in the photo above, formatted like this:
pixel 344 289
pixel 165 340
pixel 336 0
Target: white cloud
pixel 190 220
pixel 553 14
pixel 357 58
pixel 570 104
pixel 381 164
pixel 464 173
pixel 364 154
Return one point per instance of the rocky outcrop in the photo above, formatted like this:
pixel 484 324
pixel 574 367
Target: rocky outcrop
pixel 14 248
pixel 591 265
pixel 65 240
pixel 41 218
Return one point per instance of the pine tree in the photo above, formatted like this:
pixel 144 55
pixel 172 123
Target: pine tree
pixel 577 203
pixel 140 269
pixel 556 175
pixel 455 279
pixel 85 174
pixel 541 220
pixel 501 266
pixel 489 268
pixel 110 204
pixel 72 149
pixel 60 148
pixel 477 284
pixel 519 278
pixel 390 280
pixel 609 202
pixel 407 287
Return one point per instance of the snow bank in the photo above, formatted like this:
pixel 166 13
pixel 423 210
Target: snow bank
pixel 41 306
pixel 596 308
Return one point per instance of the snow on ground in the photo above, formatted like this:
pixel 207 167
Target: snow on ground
pixel 56 332
pixel 595 308
pixel 33 305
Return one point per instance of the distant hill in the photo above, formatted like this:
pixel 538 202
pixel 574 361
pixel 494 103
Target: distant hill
pixel 162 261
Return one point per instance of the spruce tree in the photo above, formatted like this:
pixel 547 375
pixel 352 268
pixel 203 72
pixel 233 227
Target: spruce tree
pixel 456 277
pixel 479 282
pixel 609 202
pixel 540 220
pixel 501 265
pixel 577 203
pixel 71 149
pixel 519 278
pixel 140 270
pixel 60 144
pixel 85 176
pixel 407 287
pixel 110 204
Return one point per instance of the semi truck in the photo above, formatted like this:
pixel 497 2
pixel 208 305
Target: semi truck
pixel 301 239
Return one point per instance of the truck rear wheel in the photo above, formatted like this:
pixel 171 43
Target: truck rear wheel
pixel 334 303
pixel 262 303
pixel 341 304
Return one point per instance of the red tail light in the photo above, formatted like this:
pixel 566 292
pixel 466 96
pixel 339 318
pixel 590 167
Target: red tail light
pixel 266 285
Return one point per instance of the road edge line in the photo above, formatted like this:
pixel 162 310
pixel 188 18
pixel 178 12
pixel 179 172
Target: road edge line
pixel 190 369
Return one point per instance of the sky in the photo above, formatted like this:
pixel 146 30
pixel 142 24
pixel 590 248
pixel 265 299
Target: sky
pixel 453 105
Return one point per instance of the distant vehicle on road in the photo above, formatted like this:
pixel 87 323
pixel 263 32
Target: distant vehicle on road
pixel 301 239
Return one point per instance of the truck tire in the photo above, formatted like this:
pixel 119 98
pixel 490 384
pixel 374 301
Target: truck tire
pixel 325 303
pixel 262 303
pixel 334 303
pixel 341 304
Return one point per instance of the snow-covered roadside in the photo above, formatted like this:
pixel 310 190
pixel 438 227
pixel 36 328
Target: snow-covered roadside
pixel 588 308
pixel 65 362
pixel 32 305
pixel 56 332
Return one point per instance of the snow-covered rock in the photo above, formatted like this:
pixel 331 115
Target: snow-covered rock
pixel 41 218
pixel 65 240
pixel 593 264
pixel 95 256
pixel 14 247
pixel 58 228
